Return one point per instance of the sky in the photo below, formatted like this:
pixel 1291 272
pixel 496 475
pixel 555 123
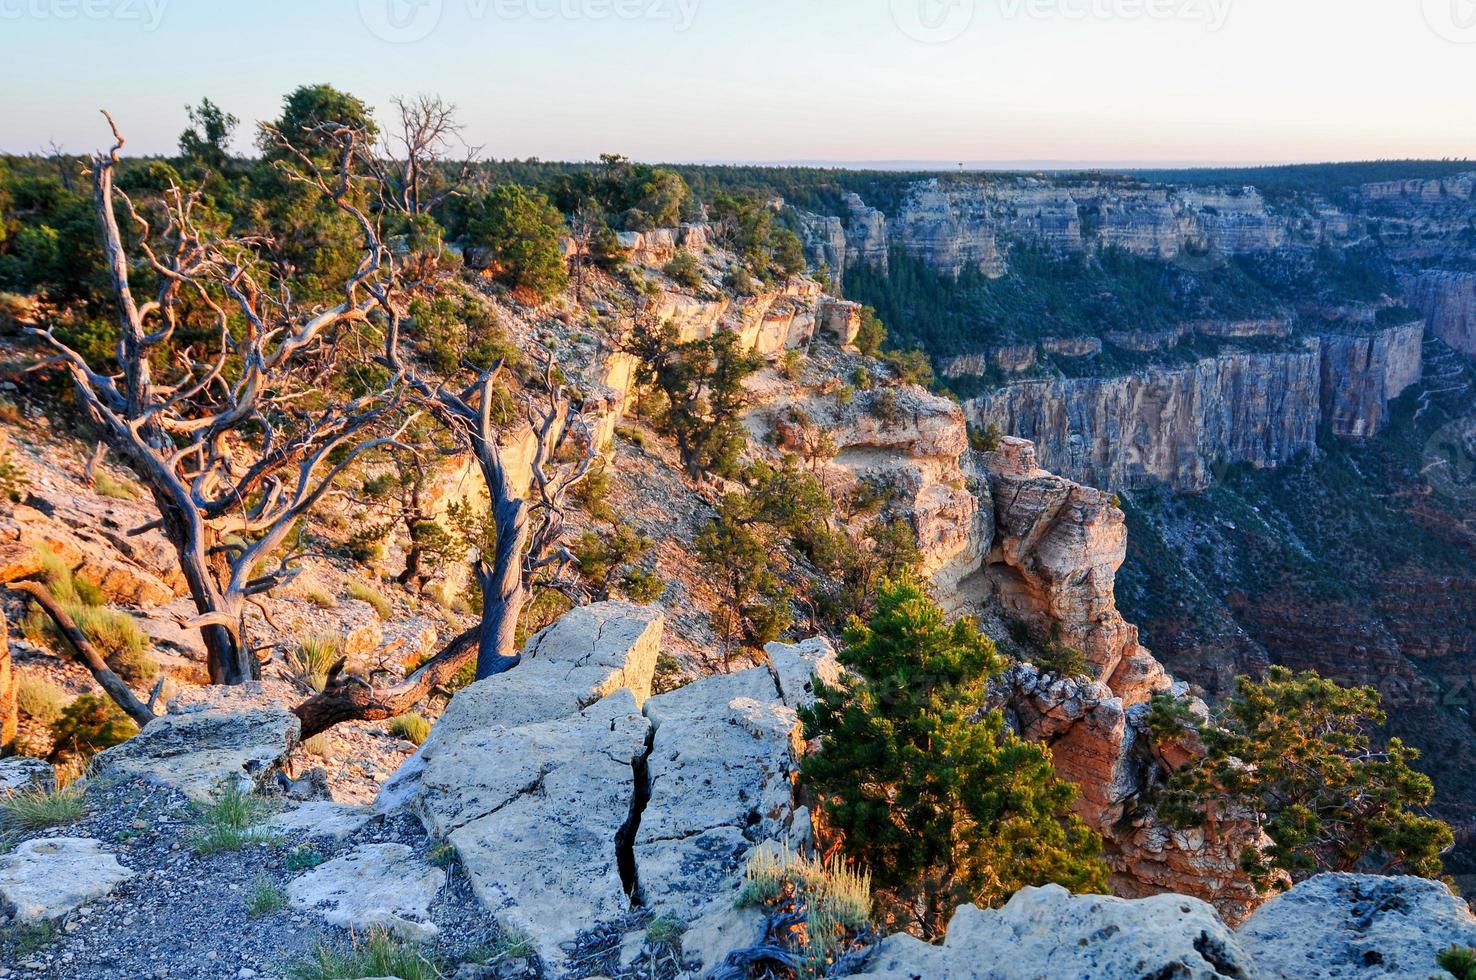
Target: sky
pixel 1034 82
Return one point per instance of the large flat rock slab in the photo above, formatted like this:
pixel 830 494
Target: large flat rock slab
pixel 1342 925
pixel 322 819
pixel 46 878
pixel 1047 933
pixel 213 737
pixel 721 773
pixel 374 886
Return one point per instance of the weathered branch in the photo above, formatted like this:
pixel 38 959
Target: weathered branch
pixel 347 698
pixel 110 682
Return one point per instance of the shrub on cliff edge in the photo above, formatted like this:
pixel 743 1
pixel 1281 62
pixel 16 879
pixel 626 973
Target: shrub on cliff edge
pixel 953 807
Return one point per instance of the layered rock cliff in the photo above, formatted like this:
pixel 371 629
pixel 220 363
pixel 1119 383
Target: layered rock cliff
pixel 1448 300
pixel 968 224
pixel 1171 425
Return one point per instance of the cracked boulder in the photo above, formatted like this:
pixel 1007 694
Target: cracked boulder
pixel 589 653
pixel 534 811
pixel 1044 933
pixel 45 878
pixel 1343 925
pixel 375 886
pixel 212 738
pixel 721 771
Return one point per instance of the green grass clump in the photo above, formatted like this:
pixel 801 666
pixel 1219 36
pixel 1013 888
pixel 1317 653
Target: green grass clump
pixel 1459 962
pixel 362 592
pixel 40 700
pixel 229 822
pixel 37 809
pixel 412 728
pixel 107 486
pixel 665 931
pixel 303 858
pixel 442 854
pixel 377 954
pixel 28 938
pixel 509 947
pixel 835 899
pixel 265 898
pixel 13 479
pixel 117 635
pixel 319 598
pixel 313 658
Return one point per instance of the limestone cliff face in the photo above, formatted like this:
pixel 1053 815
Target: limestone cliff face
pixel 1165 425
pixel 1171 425
pixel 957 225
pixel 1448 300
pixel 1362 373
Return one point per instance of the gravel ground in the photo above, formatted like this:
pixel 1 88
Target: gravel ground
pixel 184 916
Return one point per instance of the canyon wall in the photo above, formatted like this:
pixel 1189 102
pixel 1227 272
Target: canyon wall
pixel 957 225
pixel 1165 425
pixel 1448 300
pixel 1171 425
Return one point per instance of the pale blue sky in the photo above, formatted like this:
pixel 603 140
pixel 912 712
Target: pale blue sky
pixel 1106 81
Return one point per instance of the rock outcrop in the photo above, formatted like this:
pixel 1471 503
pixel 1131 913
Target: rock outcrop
pixel 1047 933
pixel 1056 551
pixel 1342 925
pixel 566 812
pixel 212 738
pixel 1053 563
pixel 914 443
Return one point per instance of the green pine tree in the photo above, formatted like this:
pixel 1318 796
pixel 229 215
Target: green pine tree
pixel 925 787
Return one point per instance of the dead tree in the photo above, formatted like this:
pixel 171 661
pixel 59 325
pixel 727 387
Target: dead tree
pixel 414 169
pixel 522 551
pixel 231 461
